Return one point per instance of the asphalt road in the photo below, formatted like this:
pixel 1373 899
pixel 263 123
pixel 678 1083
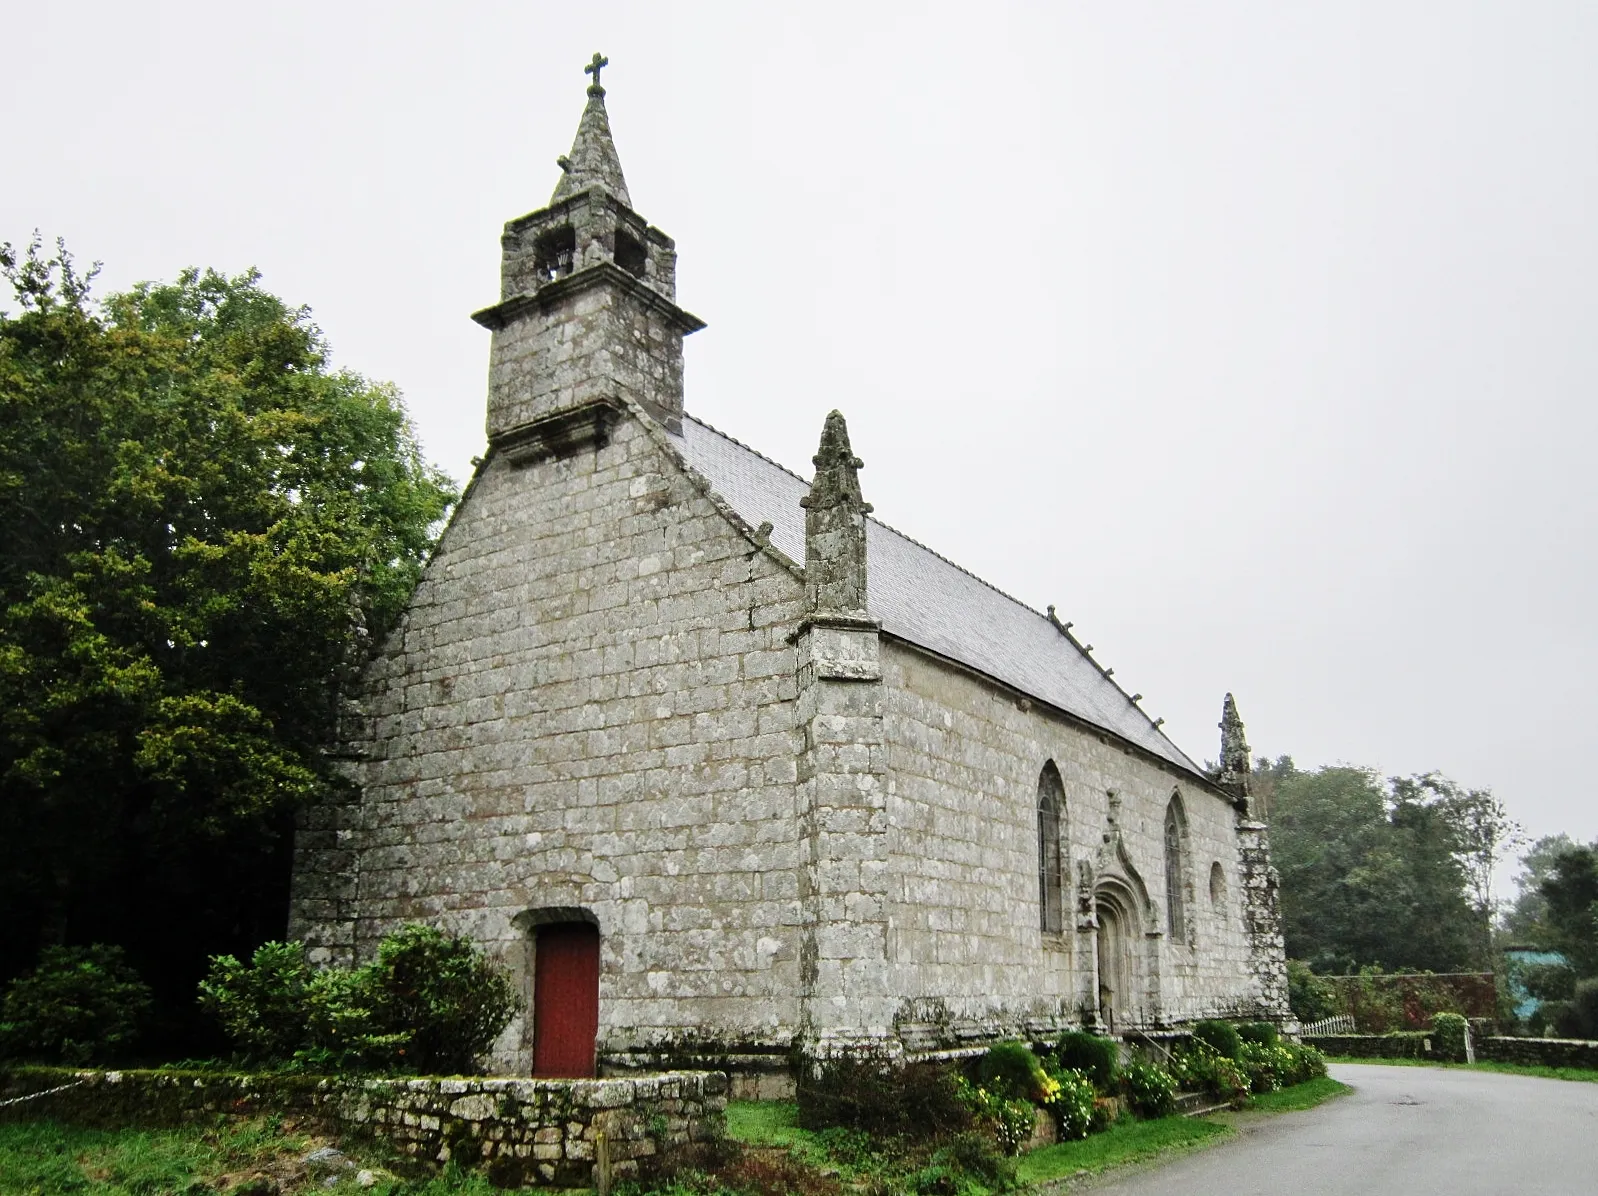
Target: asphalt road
pixel 1409 1130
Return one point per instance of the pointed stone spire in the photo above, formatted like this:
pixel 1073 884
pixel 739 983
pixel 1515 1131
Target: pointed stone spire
pixel 593 161
pixel 835 527
pixel 1236 765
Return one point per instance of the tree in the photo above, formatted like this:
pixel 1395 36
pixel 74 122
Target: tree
pixel 1526 919
pixel 1483 834
pixel 1370 872
pixel 1571 893
pixel 203 522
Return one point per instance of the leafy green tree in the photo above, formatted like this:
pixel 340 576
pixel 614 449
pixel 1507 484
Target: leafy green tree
pixel 1371 872
pixel 1526 920
pixel 204 524
pixel 1571 893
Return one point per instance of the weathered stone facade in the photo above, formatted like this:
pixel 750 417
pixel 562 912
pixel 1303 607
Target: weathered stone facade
pixel 789 762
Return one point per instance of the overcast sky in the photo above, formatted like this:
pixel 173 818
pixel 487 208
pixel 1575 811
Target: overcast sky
pixel 1256 337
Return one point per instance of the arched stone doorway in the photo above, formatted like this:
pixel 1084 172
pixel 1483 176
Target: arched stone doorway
pixel 1118 933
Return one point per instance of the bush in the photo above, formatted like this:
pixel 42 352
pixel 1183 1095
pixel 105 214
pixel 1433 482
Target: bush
pixel 1449 1035
pixel 449 997
pixel 1220 1037
pixel 262 1007
pixel 1007 1119
pixel 1096 1057
pixel 1308 1062
pixel 1071 1102
pixel 964 1158
pixel 1584 1006
pixel 1151 1090
pixel 1200 1069
pixel 1548 981
pixel 79 1005
pixel 1267 1067
pixel 431 1002
pixel 1259 1033
pixel 1308 996
pixel 870 1092
pixel 1012 1070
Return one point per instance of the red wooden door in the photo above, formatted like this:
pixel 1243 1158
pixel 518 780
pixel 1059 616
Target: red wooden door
pixel 566 1000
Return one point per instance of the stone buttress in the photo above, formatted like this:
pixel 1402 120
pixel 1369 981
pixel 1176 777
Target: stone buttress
pixel 843 819
pixel 1262 907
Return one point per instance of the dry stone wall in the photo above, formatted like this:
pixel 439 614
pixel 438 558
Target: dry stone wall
pixel 559 1132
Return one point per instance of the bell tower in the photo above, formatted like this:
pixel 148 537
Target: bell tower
pixel 587 312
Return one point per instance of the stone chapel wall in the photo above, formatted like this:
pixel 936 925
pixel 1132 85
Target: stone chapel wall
pixel 590 703
pixel 967 950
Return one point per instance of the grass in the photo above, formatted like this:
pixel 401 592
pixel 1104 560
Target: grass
pixel 775 1124
pixel 1300 1096
pixel 1579 1074
pixel 1124 1142
pixel 46 1158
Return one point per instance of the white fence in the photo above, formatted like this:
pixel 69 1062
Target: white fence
pixel 1341 1024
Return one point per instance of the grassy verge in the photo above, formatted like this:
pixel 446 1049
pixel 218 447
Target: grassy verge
pixel 774 1124
pixel 1580 1074
pixel 1300 1096
pixel 44 1158
pixel 1123 1143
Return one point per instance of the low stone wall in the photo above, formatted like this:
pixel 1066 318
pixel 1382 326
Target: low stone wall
pixel 1421 1044
pixel 1540 1052
pixel 564 1132
pixel 1403 1044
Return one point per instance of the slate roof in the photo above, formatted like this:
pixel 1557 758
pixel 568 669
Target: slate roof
pixel 920 597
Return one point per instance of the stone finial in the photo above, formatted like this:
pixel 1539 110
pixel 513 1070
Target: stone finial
pixel 835 527
pixel 593 161
pixel 1235 760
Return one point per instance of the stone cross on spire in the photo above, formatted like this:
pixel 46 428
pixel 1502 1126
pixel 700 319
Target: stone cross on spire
pixel 593 161
pixel 599 63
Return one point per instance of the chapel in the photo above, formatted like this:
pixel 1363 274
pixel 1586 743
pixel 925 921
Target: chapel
pixel 722 767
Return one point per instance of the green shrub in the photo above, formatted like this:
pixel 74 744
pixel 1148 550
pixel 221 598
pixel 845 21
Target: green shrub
pixel 1220 1037
pixel 79 1005
pixel 955 1165
pixel 1008 1119
pixel 261 1007
pixel 1070 1101
pixel 449 997
pixel 866 1091
pixel 1308 1062
pixel 1097 1057
pixel 1151 1090
pixel 1012 1070
pixel 1308 996
pixel 1548 981
pixel 1557 1018
pixel 1268 1068
pixel 1260 1033
pixel 1199 1069
pixel 431 1002
pixel 1449 1031
pixel 1584 1006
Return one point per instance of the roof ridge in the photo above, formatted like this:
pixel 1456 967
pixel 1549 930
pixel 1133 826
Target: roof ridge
pixel 1157 727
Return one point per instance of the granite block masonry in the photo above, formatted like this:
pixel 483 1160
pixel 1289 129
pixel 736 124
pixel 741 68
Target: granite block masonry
pixel 540 1132
pixel 812 784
